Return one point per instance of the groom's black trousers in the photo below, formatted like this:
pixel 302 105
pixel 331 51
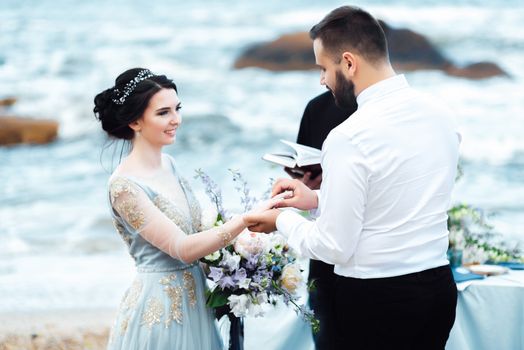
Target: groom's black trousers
pixel 414 311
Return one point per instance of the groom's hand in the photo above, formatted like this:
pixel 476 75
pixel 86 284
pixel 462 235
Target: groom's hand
pixel 303 197
pixel 264 221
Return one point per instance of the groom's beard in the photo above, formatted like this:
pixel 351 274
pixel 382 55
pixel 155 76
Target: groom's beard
pixel 344 92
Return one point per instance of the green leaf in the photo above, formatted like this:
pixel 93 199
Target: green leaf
pixel 216 298
pixel 311 286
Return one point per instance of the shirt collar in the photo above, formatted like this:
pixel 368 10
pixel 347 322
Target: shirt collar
pixel 382 88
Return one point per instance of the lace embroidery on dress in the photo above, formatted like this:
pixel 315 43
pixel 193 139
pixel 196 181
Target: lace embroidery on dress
pixel 169 210
pixel 128 302
pixel 124 324
pixel 175 310
pixel 189 286
pixel 127 207
pixel 132 296
pixel 194 206
pixel 153 312
pixel 175 295
pixel 122 232
pixel 166 280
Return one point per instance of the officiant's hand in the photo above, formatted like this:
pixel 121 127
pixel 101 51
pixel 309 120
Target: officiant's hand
pixel 306 177
pixel 312 183
pixel 303 197
pixel 262 221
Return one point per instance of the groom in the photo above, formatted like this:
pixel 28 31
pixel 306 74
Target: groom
pixel 388 173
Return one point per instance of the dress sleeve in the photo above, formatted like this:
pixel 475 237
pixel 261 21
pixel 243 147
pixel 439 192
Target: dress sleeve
pixel 133 205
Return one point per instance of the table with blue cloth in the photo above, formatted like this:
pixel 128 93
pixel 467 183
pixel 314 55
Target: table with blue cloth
pixel 490 314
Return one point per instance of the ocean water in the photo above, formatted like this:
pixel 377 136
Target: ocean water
pixel 57 246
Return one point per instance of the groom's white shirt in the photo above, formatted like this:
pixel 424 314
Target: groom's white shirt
pixel 388 173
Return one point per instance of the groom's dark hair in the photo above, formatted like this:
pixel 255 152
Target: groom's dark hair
pixel 349 28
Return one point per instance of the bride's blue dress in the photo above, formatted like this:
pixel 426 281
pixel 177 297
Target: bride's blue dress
pixel 165 307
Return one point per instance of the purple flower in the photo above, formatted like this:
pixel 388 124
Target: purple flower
pixel 251 262
pixel 306 312
pixel 267 194
pixel 240 275
pixel 246 200
pixel 226 282
pixel 216 273
pixel 286 298
pixel 213 192
pixel 260 275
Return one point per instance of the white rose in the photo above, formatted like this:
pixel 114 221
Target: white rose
pixel 208 217
pixel 257 305
pixel 213 256
pixel 291 277
pixel 276 243
pixel 231 261
pixel 239 304
pixel 249 243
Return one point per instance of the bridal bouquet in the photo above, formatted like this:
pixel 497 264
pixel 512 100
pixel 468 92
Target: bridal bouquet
pixel 256 269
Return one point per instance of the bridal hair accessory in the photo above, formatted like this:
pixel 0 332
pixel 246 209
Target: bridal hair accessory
pixel 120 96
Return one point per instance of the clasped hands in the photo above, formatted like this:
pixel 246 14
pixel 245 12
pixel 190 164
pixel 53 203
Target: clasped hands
pixel 285 193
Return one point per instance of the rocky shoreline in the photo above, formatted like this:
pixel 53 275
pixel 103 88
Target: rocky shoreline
pixel 16 130
pixel 71 329
pixel 409 51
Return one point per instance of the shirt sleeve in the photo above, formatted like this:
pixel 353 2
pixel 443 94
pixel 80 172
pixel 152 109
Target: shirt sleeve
pixel 334 235
pixel 315 213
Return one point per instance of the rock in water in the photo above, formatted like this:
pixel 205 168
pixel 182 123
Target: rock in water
pixel 480 70
pixel 408 51
pixel 15 130
pixel 288 52
pixel 6 102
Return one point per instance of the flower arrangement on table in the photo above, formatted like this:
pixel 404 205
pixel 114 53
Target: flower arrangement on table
pixel 474 238
pixel 256 269
pixel 470 234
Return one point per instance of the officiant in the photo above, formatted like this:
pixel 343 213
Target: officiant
pixel 381 211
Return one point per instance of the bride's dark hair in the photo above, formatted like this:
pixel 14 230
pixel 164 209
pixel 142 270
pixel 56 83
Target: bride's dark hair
pixel 116 114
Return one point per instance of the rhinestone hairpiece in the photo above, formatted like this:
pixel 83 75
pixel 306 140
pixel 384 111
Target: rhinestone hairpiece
pixel 130 87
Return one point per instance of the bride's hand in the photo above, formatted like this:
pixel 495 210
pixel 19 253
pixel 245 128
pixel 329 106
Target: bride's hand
pixel 271 203
pixel 262 217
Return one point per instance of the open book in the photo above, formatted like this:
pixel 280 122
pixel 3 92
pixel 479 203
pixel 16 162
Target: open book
pixel 299 160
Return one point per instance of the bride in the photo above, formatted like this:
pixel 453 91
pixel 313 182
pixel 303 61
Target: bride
pixel 158 217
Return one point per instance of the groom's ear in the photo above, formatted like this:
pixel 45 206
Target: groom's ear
pixel 349 63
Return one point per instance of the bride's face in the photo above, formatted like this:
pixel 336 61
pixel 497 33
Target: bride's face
pixel 161 118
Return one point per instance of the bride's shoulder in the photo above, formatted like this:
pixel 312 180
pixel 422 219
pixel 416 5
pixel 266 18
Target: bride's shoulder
pixel 117 175
pixel 127 168
pixel 120 180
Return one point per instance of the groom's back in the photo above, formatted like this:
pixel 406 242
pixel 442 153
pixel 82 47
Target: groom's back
pixel 411 149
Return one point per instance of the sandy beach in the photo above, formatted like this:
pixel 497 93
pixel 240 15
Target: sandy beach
pixel 57 330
